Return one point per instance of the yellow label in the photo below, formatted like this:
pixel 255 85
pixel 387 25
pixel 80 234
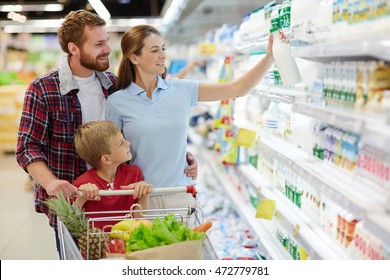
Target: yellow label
pixel 246 138
pixel 296 231
pixel 302 254
pixel 266 209
pixel 207 48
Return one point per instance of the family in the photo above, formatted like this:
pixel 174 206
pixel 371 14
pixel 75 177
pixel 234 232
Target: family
pixel 85 128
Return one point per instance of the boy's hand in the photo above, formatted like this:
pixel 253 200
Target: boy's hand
pixel 90 191
pixel 140 188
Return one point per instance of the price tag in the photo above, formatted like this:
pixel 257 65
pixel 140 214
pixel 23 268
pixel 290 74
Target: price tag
pixel 258 191
pixel 302 254
pixel 246 138
pixel 266 209
pixel 207 48
pixel 296 231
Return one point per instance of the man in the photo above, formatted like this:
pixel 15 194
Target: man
pixel 57 103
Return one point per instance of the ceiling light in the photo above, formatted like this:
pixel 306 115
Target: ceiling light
pixel 173 14
pixel 10 15
pixel 32 8
pixel 22 19
pixel 100 9
pixel 52 25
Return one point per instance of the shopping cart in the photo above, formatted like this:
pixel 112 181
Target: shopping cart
pixel 190 215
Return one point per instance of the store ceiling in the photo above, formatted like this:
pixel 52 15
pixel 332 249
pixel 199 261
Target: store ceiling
pixel 117 8
pixel 197 18
pixel 201 16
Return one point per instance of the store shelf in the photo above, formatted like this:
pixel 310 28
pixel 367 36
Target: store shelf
pixel 346 120
pixel 284 151
pixel 367 48
pixel 342 188
pixel 377 134
pixel 242 122
pixel 373 128
pixel 379 224
pixel 339 186
pixel 281 90
pixel 280 93
pixel 245 209
pixel 310 236
pixel 258 45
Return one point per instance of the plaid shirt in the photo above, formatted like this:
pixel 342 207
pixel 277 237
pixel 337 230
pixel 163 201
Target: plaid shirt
pixel 51 114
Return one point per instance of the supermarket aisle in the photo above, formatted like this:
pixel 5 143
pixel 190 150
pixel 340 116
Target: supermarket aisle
pixel 25 234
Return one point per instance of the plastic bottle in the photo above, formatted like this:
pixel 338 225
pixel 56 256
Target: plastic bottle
pixel 285 14
pixel 286 64
pixel 226 74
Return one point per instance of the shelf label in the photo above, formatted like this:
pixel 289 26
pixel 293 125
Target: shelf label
pixel 266 209
pixel 258 191
pixel 246 138
pixel 296 231
pixel 302 254
pixel 207 48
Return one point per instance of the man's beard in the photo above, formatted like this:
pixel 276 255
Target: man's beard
pixel 93 64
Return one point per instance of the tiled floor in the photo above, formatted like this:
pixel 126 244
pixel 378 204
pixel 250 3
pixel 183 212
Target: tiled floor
pixel 24 234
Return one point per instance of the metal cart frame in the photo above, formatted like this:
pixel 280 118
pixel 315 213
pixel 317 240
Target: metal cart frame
pixel 68 246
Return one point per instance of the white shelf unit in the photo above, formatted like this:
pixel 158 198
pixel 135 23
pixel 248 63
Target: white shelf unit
pixel 310 236
pixel 273 247
pixel 337 185
pixel 377 47
pixel 280 93
pixel 374 128
pixel 340 186
pixel 317 243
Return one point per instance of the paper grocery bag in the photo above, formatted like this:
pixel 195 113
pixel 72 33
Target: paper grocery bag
pixel 188 250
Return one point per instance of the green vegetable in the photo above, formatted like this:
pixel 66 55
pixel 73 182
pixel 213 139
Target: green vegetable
pixel 163 232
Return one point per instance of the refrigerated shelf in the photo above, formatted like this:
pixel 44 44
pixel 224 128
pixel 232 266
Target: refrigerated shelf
pixel 245 210
pixel 369 47
pixel 309 235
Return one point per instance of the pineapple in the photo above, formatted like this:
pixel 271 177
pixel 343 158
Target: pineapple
pixel 92 241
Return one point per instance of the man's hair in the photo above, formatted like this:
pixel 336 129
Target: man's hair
pixel 94 139
pixel 72 29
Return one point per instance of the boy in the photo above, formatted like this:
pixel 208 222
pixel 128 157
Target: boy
pixel 102 146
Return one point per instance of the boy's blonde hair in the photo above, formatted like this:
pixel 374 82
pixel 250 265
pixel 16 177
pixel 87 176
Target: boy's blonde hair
pixel 94 139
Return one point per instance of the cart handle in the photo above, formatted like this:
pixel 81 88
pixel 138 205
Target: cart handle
pixel 188 189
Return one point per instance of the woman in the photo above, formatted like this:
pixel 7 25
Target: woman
pixel 154 113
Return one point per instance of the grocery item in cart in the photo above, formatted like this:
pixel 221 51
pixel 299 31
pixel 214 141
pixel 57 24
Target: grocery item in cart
pixel 91 242
pixel 123 229
pixel 164 231
pixel 172 230
pixel 166 238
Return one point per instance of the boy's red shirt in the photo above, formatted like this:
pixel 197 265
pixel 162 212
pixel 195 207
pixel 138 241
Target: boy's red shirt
pixel 126 174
